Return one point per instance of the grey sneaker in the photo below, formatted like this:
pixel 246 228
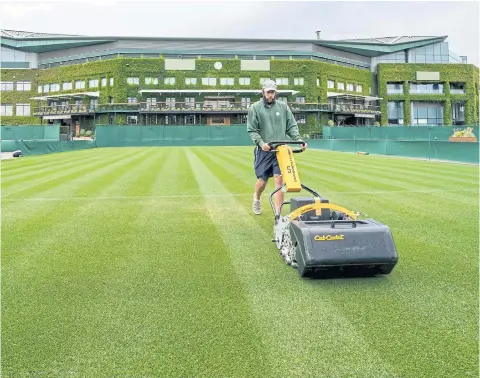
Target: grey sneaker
pixel 257 206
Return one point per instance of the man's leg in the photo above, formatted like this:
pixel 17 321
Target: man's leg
pixel 260 186
pixel 279 196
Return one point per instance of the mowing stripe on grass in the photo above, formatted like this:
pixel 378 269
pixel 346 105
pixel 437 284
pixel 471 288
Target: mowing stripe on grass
pixel 124 297
pixel 51 167
pixel 173 196
pixel 420 272
pixel 286 311
pixel 30 232
pixel 36 186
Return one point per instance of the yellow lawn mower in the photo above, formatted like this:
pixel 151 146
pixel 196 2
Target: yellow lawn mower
pixel 321 239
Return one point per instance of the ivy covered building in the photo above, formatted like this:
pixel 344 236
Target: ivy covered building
pixel 82 81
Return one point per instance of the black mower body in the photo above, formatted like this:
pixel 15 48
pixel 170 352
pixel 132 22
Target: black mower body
pixel 327 245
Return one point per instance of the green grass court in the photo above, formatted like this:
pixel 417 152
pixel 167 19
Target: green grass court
pixel 148 262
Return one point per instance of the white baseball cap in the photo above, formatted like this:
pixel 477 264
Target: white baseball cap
pixel 269 85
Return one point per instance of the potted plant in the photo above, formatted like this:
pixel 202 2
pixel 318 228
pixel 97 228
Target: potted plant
pixel 463 135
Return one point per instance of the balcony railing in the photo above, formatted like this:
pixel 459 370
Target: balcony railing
pixel 197 107
pixel 64 109
pixel 354 108
pixel 457 91
pixel 426 91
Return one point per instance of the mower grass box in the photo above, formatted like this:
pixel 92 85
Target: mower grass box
pixel 318 238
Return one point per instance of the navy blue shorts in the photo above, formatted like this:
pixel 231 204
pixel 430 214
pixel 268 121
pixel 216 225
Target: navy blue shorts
pixel 265 164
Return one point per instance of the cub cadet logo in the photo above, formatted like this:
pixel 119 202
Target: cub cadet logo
pixel 328 237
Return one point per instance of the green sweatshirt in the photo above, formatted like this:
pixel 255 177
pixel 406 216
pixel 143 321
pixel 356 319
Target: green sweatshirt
pixel 266 124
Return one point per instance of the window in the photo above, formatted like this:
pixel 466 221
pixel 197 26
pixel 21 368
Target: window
pixel 132 100
pixel 318 82
pixel 457 88
pixel 350 87
pixel 226 81
pixel 209 81
pixel 359 88
pixel 23 110
pixel 435 53
pixel 93 83
pixel 54 87
pixel 104 82
pixel 40 89
pixel 169 81
pixel 189 120
pixel 396 57
pixel 79 84
pixel 190 102
pixel 284 99
pixel 282 81
pixel 340 86
pixel 152 120
pixel 24 86
pixel 170 120
pixel 298 81
pixel 395 112
pixel 300 118
pixel 67 85
pixel 458 112
pixel 245 102
pixel 191 81
pixel 6 85
pixel 300 100
pixel 132 119
pixel 427 113
pixel 330 84
pixel 244 81
pixel 426 88
pixel 132 81
pixel 6 109
pixel 151 102
pixel 111 81
pixel 170 102
pixel 394 88
pixel 151 80
pixel 46 88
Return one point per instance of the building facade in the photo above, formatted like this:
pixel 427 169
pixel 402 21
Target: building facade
pixel 80 81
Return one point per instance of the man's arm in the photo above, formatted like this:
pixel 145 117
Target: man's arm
pixel 253 127
pixel 292 127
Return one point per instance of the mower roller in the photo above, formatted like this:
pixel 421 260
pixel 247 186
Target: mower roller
pixel 321 239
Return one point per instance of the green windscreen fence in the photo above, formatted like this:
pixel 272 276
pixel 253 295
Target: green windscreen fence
pixel 116 136
pixel 30 132
pixel 435 149
pixel 375 140
pixel 40 147
pixel 393 132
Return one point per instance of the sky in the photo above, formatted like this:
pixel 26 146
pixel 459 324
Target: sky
pixel 253 19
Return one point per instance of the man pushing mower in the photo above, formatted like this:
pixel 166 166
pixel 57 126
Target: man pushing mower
pixel 269 120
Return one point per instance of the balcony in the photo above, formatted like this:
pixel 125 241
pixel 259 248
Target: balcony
pixel 64 110
pixel 354 109
pixel 219 107
pixel 426 91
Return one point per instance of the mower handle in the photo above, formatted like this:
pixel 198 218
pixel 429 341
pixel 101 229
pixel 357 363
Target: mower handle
pixel 274 144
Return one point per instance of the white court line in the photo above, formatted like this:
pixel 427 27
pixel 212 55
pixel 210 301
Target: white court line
pixel 179 196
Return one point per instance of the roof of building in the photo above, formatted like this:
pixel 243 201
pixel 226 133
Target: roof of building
pixel 370 47
pixel 390 40
pixel 18 34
